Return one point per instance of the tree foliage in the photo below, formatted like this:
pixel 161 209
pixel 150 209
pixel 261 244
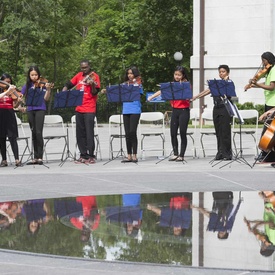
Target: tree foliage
pixel 113 34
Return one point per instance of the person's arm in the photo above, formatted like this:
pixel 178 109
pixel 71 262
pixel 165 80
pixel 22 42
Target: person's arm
pixel 48 91
pixel 262 85
pixel 201 210
pixel 266 114
pixel 156 94
pixel 155 209
pixel 202 94
pixel 8 91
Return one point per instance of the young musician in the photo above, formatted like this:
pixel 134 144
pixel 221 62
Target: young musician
pixel 221 118
pixel 8 124
pixel 36 114
pixel 131 114
pixel 268 60
pixel 89 82
pixel 180 118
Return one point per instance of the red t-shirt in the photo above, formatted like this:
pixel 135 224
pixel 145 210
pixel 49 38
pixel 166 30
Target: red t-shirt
pixel 89 100
pixel 6 102
pixel 180 104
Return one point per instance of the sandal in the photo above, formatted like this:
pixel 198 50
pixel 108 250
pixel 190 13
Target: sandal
pixel 18 163
pixel 180 159
pixel 173 158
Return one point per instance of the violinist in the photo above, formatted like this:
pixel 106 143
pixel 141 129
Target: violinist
pixel 268 60
pixel 221 118
pixel 88 81
pixel 36 114
pixel 8 124
pixel 131 114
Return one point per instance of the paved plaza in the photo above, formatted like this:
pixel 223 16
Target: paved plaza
pixel 152 174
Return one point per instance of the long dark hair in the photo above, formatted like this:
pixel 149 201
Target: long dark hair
pixel 5 76
pixel 269 57
pixel 134 70
pixel 29 81
pixel 182 70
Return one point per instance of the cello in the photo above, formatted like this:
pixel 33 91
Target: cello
pixel 267 141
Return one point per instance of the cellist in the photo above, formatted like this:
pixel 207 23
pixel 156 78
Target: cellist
pixel 268 61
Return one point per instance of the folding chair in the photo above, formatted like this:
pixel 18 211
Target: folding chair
pixel 116 131
pixel 194 117
pixel 21 137
pixel 54 124
pixel 238 130
pixel 151 124
pixel 97 146
pixel 207 116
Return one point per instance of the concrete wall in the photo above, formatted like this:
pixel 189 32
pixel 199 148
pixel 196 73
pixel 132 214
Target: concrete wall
pixel 237 32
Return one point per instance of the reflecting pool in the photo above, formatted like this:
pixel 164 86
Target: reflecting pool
pixel 234 230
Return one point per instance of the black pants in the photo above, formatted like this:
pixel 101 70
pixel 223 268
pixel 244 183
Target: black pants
pixel 14 148
pixel 130 126
pixel 85 136
pixel 36 122
pixel 179 120
pixel 222 124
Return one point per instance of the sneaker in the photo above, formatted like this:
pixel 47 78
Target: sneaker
pixel 173 158
pixel 80 160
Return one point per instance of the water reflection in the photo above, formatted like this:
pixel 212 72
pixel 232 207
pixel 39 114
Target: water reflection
pixel 172 228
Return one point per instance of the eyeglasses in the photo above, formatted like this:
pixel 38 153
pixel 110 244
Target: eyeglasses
pixel 84 68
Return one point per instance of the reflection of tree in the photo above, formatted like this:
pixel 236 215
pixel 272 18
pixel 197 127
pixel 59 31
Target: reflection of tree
pixel 158 245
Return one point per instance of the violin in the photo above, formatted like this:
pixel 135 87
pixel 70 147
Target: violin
pixel 260 73
pixel 41 82
pixel 15 94
pixel 91 77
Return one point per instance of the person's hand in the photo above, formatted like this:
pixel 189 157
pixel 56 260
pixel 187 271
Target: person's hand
pixel 265 115
pixel 103 91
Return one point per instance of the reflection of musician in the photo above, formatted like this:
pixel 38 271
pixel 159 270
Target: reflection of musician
pixel 177 215
pixel 223 214
pixel 129 214
pixel 88 219
pixel 89 82
pixel 269 91
pixel 8 124
pixel 221 118
pixel 267 237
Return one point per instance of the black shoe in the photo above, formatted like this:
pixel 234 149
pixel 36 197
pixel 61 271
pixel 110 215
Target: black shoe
pixel 126 160
pixel 134 160
pixel 33 162
pixel 219 156
pixel 272 165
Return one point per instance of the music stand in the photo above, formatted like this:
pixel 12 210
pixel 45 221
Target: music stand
pixel 35 97
pixel 175 91
pixel 239 155
pixel 69 98
pixel 122 93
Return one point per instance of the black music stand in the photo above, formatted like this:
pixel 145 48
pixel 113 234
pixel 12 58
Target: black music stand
pixel 175 91
pixel 64 99
pixel 118 94
pixel 35 97
pixel 239 155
